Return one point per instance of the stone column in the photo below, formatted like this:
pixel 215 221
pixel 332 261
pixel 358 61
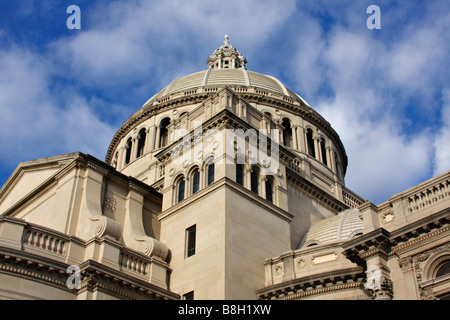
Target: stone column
pixel 150 143
pixel 294 137
pixel 409 285
pixel 158 137
pixel 316 147
pixel 133 149
pixel 301 139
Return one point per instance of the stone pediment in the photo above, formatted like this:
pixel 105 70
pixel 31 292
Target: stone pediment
pixel 30 176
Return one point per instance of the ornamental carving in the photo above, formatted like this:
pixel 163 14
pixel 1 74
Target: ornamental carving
pixel 419 262
pixel 278 269
pixel 110 205
pixel 300 263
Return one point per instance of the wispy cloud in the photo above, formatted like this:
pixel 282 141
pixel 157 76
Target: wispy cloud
pixel 385 92
pixel 380 93
pixel 38 120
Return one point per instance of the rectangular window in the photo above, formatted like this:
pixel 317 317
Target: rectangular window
pixel 254 182
pixel 240 174
pixel 188 296
pixel 190 240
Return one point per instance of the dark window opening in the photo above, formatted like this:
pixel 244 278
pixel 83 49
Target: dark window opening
pixel 310 143
pixel 188 296
pixel 254 181
pixel 443 269
pixel 287 132
pixel 181 187
pixel 324 152
pixel 269 191
pixel 195 182
pixel 128 151
pixel 141 143
pixel 240 174
pixel 164 133
pixel 190 240
pixel 210 174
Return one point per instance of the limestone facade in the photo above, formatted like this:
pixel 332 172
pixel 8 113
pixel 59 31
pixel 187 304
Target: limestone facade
pixel 224 185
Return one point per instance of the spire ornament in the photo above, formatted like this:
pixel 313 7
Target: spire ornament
pixel 226 57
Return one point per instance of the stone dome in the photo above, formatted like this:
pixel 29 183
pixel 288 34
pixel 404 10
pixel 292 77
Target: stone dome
pixel 226 67
pixel 345 225
pixel 225 77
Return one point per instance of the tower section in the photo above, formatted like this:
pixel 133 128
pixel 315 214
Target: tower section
pixel 245 167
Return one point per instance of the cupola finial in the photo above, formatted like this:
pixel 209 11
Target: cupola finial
pixel 226 57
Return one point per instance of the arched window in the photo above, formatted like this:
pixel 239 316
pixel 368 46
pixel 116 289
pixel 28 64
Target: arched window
pixel 128 147
pixel 310 143
pixel 323 150
pixel 116 159
pixel 287 132
pixel 210 173
pixel 141 143
pixel 181 184
pixel 443 269
pixel 164 132
pixel 195 181
pixel 254 176
pixel 269 190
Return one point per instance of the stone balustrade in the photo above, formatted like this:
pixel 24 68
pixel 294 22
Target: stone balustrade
pixel 416 203
pixel 23 241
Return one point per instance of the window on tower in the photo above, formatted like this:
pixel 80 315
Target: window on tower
pixel 240 174
pixel 269 190
pixel 141 143
pixel 254 176
pixel 190 240
pixel 310 143
pixel 164 132
pixel 211 169
pixel 323 150
pixel 195 181
pixel 181 184
pixel 128 147
pixel 287 132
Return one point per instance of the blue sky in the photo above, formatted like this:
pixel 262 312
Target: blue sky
pixel 386 92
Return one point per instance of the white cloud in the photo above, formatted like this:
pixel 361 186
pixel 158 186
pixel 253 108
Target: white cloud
pixel 39 121
pixel 442 141
pixel 382 161
pixel 162 39
pixel 370 80
pixel 141 46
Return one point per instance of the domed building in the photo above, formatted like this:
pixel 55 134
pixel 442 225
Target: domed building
pixel 224 185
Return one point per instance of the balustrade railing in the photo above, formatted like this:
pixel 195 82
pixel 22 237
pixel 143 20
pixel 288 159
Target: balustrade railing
pixel 428 195
pixel 44 240
pixel 133 262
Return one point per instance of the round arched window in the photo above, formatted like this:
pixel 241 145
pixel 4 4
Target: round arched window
pixel 443 269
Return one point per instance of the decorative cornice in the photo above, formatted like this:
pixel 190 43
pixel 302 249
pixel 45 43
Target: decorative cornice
pixel 314 192
pixel 420 239
pixel 351 278
pixel 419 231
pixel 258 96
pixel 96 276
pixel 373 243
pixel 224 119
pixel 29 266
